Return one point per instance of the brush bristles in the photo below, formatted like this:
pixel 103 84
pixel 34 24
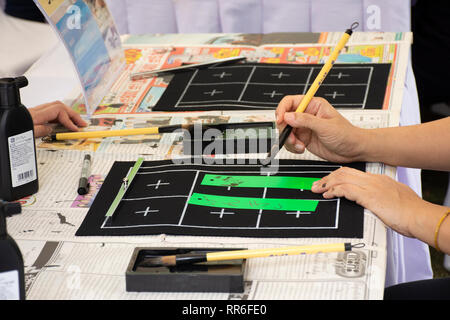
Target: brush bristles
pixel 165 261
pixel 174 260
pixel 272 154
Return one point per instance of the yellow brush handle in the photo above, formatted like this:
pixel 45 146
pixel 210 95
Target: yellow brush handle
pixel 286 251
pixel 106 133
pixel 323 73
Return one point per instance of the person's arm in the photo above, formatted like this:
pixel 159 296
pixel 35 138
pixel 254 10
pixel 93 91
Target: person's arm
pixel 425 146
pixel 398 206
pixel 325 132
pixel 54 112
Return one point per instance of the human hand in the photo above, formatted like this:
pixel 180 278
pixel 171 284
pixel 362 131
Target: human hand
pixel 320 129
pixel 393 202
pixel 47 113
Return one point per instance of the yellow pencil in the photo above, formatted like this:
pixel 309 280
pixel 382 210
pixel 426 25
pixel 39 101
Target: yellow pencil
pixel 312 90
pixel 190 258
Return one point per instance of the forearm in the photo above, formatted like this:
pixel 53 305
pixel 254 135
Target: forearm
pixel 425 222
pixel 425 146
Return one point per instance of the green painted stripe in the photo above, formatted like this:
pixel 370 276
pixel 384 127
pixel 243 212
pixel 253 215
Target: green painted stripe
pixel 209 200
pixel 122 189
pixel 259 181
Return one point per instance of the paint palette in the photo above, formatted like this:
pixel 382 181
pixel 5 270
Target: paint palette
pixel 239 200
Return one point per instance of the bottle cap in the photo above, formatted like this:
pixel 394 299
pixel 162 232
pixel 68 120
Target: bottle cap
pixel 9 91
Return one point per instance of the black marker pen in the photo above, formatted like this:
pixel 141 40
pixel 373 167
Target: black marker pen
pixel 83 185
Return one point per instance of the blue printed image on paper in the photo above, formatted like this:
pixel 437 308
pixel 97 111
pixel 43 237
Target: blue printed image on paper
pixel 85 42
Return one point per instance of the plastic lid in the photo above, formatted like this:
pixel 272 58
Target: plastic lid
pixel 9 91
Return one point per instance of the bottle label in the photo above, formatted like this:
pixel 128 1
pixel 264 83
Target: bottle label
pixel 9 285
pixel 22 158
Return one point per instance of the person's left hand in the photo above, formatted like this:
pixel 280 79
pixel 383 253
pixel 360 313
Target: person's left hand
pixel 393 202
pixel 47 113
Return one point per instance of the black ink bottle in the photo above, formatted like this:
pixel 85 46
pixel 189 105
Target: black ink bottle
pixel 12 278
pixel 18 168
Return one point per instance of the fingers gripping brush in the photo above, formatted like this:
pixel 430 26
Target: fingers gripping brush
pixel 311 91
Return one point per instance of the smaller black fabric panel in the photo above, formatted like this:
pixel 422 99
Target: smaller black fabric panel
pixel 253 86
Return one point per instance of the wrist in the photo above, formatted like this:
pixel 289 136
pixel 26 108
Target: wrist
pixel 372 145
pixel 364 144
pixel 425 220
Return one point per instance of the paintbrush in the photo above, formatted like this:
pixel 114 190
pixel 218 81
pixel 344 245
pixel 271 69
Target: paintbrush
pixel 190 258
pixel 150 130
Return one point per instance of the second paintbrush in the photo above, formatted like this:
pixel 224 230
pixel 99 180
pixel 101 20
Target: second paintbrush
pixel 191 258
pixel 150 130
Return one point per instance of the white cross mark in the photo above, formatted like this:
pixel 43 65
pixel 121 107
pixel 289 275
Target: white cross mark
pixel 339 75
pixel 158 184
pixel 212 93
pixel 221 75
pixel 272 94
pixel 298 213
pixel 147 211
pixel 221 213
pixel 334 95
pixel 280 75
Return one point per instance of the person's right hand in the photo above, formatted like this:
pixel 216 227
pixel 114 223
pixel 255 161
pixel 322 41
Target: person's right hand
pixel 320 129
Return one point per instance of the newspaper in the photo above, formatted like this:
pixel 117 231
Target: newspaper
pixel 147 52
pixel 263 39
pixel 96 270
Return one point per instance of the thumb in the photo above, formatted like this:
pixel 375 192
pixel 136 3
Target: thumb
pixel 303 120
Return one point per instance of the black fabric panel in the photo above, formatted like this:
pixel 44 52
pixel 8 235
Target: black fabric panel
pixel 167 214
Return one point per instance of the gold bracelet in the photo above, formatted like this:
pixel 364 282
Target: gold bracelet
pixel 436 232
